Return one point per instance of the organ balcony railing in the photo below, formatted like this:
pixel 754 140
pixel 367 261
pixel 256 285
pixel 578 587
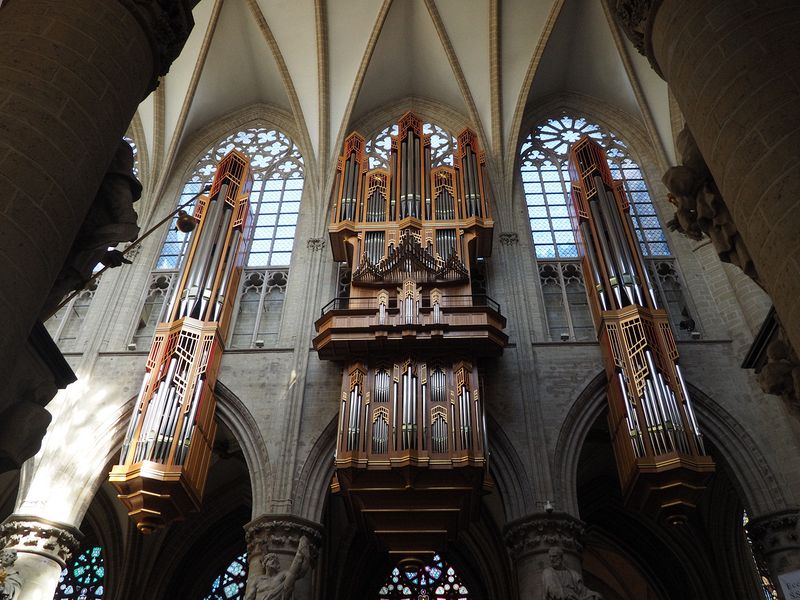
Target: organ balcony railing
pixel 661 459
pixel 411 449
pixel 166 451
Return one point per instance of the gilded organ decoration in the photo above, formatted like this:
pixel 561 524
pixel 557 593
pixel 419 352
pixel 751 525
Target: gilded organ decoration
pixel 167 448
pixel 662 463
pixel 411 334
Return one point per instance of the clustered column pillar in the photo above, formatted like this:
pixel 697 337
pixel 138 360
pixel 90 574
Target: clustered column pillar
pixel 734 68
pixel 282 548
pixel 777 542
pixel 43 550
pixel 71 76
pixel 530 540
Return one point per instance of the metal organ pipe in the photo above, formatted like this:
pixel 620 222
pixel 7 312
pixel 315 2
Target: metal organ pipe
pixel 426 174
pixel 593 264
pixel 417 179
pixel 610 264
pixel 619 240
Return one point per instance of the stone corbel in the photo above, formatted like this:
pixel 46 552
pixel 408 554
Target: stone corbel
pixel 636 17
pixel 167 25
pixel 509 238
pixel 701 209
pixel 776 539
pixel 281 534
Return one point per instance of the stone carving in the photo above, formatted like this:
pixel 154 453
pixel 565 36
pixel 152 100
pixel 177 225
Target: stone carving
pixel 781 374
pixel 701 208
pixel 40 536
pixel 562 583
pixel 111 219
pixel 775 538
pixel 636 18
pixel 10 579
pixel 537 533
pixel 167 24
pixel 509 238
pixel 315 244
pixel 276 584
pixel 283 532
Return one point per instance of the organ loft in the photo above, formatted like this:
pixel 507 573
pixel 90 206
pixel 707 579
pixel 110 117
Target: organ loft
pixel 412 335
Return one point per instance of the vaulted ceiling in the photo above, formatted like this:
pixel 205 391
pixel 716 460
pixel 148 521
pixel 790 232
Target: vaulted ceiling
pixel 327 63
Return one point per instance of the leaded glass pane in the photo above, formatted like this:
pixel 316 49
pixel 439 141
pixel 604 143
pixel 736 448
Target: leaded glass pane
pixel 543 156
pixel 435 580
pixel 84 578
pixel 378 147
pixel 278 186
pixel 230 585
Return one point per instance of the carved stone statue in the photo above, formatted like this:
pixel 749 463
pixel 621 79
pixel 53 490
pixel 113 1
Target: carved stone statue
pixel 111 220
pixel 561 583
pixel 701 208
pixel 276 584
pixel 10 579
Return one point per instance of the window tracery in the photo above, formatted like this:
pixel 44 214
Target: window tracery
pixel 378 147
pixel 546 185
pixel 278 179
pixel 84 578
pixel 230 585
pixel 436 580
pixel 768 590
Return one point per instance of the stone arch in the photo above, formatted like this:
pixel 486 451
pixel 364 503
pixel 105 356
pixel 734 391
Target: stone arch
pixel 255 115
pixel 235 415
pixel 509 473
pixel 753 476
pixel 314 481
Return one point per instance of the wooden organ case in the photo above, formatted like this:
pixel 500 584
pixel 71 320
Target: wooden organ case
pixel 167 448
pixel 658 446
pixel 411 447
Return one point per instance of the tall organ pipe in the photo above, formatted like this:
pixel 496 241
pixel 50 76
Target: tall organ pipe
pixel 218 248
pixel 476 190
pixel 618 236
pixel 593 264
pixel 417 179
pixel 610 263
pixel 427 176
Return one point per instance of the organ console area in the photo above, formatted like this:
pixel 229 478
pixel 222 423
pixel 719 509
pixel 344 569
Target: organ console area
pixel 658 446
pixel 412 336
pixel 167 448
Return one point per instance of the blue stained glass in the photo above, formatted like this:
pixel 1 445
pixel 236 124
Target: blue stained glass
pixel 418 582
pixel 83 578
pixel 231 584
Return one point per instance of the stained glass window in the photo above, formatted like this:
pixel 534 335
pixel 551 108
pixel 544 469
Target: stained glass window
pixel 433 581
pixel 546 184
pixel 84 578
pixel 230 584
pixel 378 147
pixel 275 199
pixel 132 143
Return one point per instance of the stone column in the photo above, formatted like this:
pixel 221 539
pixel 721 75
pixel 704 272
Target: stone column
pixel 777 542
pixel 71 76
pixel 734 69
pixel 530 539
pixel 43 549
pixel 280 534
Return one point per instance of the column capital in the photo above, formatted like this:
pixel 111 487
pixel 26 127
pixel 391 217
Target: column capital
pixel 537 533
pixel 280 533
pixel 636 19
pixel 35 535
pixel 775 533
pixel 167 25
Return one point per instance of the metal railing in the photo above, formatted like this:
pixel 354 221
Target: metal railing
pixel 370 303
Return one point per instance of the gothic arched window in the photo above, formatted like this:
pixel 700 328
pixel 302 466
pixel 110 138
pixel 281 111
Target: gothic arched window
pixel 84 578
pixel 378 147
pixel 433 581
pixel 546 184
pixel 230 584
pixel 277 167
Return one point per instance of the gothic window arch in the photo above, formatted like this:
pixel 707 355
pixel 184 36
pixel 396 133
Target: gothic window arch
pixel 435 580
pixel 546 185
pixel 378 147
pixel 83 578
pixel 231 583
pixel 278 174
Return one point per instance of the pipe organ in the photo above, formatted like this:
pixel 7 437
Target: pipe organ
pixel 662 464
pixel 411 335
pixel 167 448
